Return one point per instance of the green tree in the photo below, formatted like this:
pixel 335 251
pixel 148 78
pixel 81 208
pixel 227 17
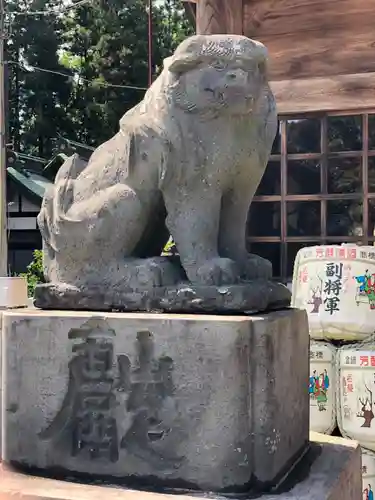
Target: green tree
pixel 175 26
pixel 101 46
pixel 34 273
pixel 106 44
pixel 41 97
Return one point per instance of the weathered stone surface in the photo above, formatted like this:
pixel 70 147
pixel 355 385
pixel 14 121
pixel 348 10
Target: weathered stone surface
pixel 187 160
pixel 253 296
pixel 194 401
pixel 330 471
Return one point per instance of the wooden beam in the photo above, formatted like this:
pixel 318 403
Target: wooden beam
pixel 346 92
pixel 311 38
pixel 190 7
pixel 309 55
pixel 219 16
pixel 282 17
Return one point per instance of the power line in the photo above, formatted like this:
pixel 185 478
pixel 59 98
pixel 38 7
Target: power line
pixel 67 75
pixel 50 11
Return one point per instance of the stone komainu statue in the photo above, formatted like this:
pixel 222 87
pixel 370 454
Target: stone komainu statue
pixel 186 160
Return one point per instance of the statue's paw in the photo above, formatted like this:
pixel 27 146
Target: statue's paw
pixel 147 275
pixel 256 267
pixel 218 272
pixel 156 272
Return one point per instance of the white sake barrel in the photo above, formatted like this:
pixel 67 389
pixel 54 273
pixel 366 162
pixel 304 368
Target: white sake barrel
pixel 356 394
pixel 368 474
pixel 322 387
pixel 336 286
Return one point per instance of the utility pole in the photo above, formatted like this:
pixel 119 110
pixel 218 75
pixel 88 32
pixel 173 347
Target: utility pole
pixel 3 154
pixel 150 48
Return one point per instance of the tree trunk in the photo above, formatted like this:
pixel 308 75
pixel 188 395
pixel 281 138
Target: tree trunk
pixel 368 416
pixel 219 16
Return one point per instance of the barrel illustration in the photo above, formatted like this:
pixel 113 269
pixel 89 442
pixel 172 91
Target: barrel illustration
pixel 322 387
pixel 336 286
pixel 368 474
pixel 356 394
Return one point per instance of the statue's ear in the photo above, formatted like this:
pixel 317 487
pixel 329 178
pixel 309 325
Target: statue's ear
pixel 181 64
pixel 130 151
pixel 263 69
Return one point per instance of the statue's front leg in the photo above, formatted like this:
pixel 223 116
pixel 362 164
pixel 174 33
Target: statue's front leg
pixel 232 236
pixel 193 221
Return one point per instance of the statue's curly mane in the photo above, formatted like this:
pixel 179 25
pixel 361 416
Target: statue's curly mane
pixel 166 112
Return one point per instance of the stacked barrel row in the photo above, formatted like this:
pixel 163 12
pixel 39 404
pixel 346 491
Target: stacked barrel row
pixel 336 286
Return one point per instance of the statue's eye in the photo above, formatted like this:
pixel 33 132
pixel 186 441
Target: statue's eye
pixel 219 65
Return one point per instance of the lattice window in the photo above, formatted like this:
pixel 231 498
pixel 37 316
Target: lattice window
pixel 319 187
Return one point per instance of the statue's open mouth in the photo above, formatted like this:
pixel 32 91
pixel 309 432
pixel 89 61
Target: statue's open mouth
pixel 155 435
pixel 235 94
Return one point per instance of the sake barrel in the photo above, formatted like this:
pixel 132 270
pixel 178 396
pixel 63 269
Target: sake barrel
pixel 322 387
pixel 368 474
pixel 336 286
pixel 356 394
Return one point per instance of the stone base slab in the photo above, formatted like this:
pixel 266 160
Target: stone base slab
pixel 190 401
pixel 253 296
pixel 330 471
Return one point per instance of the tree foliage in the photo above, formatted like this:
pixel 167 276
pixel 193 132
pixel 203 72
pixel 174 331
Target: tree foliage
pixel 102 49
pixel 34 272
pixel 37 99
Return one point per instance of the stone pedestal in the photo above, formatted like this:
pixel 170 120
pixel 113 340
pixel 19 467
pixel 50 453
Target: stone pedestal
pixel 13 294
pixel 200 402
pixel 331 470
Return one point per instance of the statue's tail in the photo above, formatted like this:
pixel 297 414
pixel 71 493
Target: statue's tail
pixel 56 203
